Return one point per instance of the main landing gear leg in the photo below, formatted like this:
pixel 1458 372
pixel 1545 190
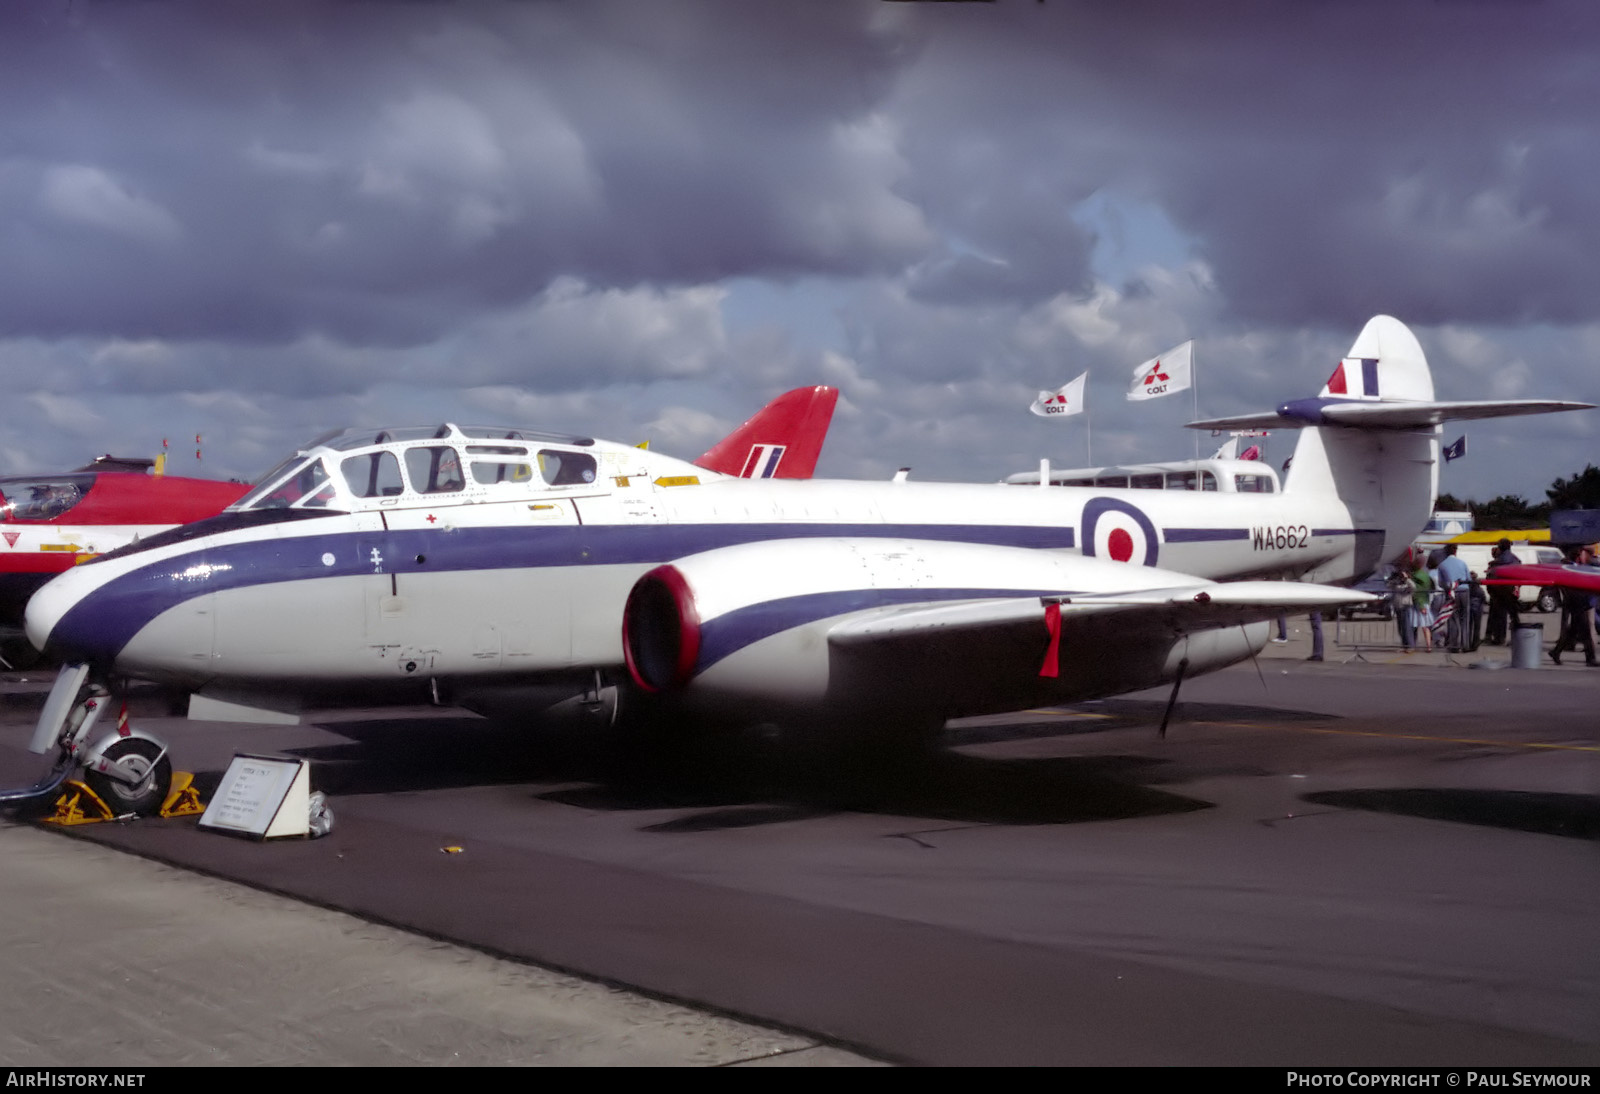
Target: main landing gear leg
pixel 1172 700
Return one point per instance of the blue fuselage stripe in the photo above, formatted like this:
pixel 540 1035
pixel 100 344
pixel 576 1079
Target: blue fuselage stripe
pixel 729 633
pixel 103 622
pixel 1203 535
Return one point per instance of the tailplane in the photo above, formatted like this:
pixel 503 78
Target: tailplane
pixel 1371 441
pixel 782 441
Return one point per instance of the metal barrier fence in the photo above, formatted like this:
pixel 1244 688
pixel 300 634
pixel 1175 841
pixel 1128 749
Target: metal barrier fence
pixel 1366 634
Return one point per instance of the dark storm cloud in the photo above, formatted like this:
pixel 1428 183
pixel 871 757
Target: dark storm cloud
pixel 380 172
pixel 1330 160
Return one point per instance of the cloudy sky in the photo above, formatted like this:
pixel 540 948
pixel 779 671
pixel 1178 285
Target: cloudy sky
pixel 643 218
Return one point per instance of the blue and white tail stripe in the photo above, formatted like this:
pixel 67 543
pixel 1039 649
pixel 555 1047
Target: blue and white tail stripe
pixel 1355 378
pixel 762 463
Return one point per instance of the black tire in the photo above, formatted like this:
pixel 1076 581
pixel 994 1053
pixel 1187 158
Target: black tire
pixel 146 798
pixel 1548 600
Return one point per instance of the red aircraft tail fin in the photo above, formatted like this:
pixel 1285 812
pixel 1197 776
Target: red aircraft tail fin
pixel 782 441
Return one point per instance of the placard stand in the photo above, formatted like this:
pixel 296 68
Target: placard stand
pixel 262 797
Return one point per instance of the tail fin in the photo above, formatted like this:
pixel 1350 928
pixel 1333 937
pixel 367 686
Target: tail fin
pixel 782 441
pixel 1371 442
pixel 1385 364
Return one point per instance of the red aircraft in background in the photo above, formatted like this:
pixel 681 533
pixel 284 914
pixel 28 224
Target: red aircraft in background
pixel 50 523
pixel 1567 575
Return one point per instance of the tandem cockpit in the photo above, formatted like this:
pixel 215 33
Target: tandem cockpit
pixel 360 469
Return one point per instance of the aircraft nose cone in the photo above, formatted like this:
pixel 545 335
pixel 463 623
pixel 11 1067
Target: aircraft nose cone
pixel 45 612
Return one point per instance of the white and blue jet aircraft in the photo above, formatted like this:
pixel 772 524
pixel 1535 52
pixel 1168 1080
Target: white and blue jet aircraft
pixel 484 563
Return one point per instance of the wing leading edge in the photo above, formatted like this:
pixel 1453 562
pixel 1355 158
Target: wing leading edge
pixel 1158 612
pixel 1356 414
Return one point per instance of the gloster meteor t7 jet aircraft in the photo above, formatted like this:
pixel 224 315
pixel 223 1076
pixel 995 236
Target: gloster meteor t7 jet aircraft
pixel 472 561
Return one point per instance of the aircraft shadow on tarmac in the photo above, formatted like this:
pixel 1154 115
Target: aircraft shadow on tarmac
pixel 736 781
pixel 1576 816
pixel 1107 715
pixel 1148 712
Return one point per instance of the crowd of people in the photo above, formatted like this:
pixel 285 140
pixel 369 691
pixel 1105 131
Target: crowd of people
pixel 1440 603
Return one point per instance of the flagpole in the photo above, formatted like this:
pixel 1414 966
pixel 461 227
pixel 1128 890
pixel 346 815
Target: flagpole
pixel 1088 437
pixel 1194 389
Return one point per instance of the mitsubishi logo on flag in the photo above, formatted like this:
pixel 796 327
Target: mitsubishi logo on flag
pixel 1064 400
pixel 1172 371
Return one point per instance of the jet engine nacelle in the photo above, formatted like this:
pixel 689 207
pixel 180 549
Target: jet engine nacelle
pixel 780 629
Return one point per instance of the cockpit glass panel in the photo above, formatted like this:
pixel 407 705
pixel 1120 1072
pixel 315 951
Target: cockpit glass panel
pixel 434 469
pixel 361 438
pixel 373 475
pixel 566 468
pixel 265 484
pixel 40 499
pixel 507 433
pixel 305 485
pixel 327 438
pixel 497 463
pixel 318 485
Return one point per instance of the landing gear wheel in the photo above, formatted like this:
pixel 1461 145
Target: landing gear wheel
pixel 147 795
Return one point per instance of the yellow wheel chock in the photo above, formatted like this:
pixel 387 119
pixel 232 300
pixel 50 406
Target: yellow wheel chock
pixel 80 805
pixel 183 800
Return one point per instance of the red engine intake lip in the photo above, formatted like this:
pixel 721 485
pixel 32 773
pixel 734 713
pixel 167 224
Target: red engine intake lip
pixel 667 580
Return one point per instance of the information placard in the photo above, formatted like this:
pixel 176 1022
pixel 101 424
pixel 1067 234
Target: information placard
pixel 265 797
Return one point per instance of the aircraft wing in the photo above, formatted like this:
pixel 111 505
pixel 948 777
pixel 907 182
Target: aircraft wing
pixel 1265 419
pixel 1163 612
pixel 1380 415
pixel 1412 415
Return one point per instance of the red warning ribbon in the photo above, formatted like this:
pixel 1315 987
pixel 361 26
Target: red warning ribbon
pixel 1052 653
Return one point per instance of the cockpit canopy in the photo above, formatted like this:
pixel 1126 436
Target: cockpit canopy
pixel 352 469
pixel 41 499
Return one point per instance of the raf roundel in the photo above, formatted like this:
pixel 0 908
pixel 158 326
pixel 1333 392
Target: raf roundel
pixel 1118 530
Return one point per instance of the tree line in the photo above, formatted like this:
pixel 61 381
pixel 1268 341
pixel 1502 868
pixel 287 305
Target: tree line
pixel 1581 491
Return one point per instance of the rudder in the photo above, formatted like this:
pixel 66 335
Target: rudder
pixel 782 441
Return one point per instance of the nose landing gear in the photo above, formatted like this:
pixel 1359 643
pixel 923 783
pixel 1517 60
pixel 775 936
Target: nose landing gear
pixel 126 771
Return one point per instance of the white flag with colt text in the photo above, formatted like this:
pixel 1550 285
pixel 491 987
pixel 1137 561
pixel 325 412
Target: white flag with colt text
pixel 1064 400
pixel 1172 371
